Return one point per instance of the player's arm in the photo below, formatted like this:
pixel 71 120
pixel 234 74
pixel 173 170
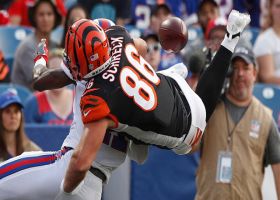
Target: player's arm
pixel 141 46
pixel 50 79
pixel 97 118
pixel 85 153
pixel 211 82
pixel 43 77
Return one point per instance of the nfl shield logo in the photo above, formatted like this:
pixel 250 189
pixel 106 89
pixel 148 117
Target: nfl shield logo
pixel 255 128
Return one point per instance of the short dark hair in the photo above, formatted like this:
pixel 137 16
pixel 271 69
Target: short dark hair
pixel 158 7
pixel 67 18
pixel 203 2
pixel 32 11
pixel 152 36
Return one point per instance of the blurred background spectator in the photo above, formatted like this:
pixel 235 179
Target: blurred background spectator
pixel 19 11
pixel 160 13
pixel 52 107
pixel 153 51
pixel 267 47
pixel 214 33
pixel 264 15
pixel 44 17
pixel 13 140
pixel 141 11
pixel 207 10
pixel 116 10
pixel 197 63
pixel 74 13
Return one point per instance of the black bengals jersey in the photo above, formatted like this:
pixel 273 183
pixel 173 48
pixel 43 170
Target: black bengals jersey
pixel 131 93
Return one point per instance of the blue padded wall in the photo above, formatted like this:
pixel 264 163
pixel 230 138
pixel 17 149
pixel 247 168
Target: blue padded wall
pixel 164 176
pixel 49 138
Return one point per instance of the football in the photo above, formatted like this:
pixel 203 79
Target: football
pixel 173 34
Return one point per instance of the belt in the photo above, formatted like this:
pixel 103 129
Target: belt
pixel 97 172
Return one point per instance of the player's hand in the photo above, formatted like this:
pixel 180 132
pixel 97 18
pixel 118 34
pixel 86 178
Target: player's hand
pixel 42 51
pixel 236 23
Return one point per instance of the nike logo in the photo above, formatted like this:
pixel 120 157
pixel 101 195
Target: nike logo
pixel 86 113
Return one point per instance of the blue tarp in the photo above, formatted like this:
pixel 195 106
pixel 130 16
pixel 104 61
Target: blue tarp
pixel 49 138
pixel 164 176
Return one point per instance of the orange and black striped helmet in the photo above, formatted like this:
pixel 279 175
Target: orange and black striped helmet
pixel 87 51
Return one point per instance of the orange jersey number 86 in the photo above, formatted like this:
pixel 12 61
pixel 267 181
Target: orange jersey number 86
pixel 140 89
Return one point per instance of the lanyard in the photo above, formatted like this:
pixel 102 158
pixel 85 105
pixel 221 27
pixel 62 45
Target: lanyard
pixel 230 132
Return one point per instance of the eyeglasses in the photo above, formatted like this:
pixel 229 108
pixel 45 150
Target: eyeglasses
pixel 154 47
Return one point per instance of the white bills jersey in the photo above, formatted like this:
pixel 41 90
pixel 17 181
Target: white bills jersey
pixel 114 148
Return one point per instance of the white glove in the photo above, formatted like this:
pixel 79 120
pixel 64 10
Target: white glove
pixel 236 24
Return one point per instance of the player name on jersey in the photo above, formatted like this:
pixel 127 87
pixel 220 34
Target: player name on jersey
pixel 116 44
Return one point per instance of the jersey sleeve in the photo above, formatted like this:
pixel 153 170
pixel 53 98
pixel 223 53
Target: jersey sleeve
pixel 94 105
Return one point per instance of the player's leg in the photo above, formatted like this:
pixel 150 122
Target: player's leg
pixel 198 113
pixel 33 175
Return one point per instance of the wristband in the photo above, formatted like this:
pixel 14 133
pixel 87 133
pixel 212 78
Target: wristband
pixel 230 43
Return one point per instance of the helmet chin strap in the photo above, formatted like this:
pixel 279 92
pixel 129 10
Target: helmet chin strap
pixel 98 70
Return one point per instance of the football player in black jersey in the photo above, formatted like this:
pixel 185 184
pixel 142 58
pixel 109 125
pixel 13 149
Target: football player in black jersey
pixel 125 94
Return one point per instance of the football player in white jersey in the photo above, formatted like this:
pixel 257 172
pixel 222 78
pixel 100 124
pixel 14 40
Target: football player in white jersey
pixel 38 175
